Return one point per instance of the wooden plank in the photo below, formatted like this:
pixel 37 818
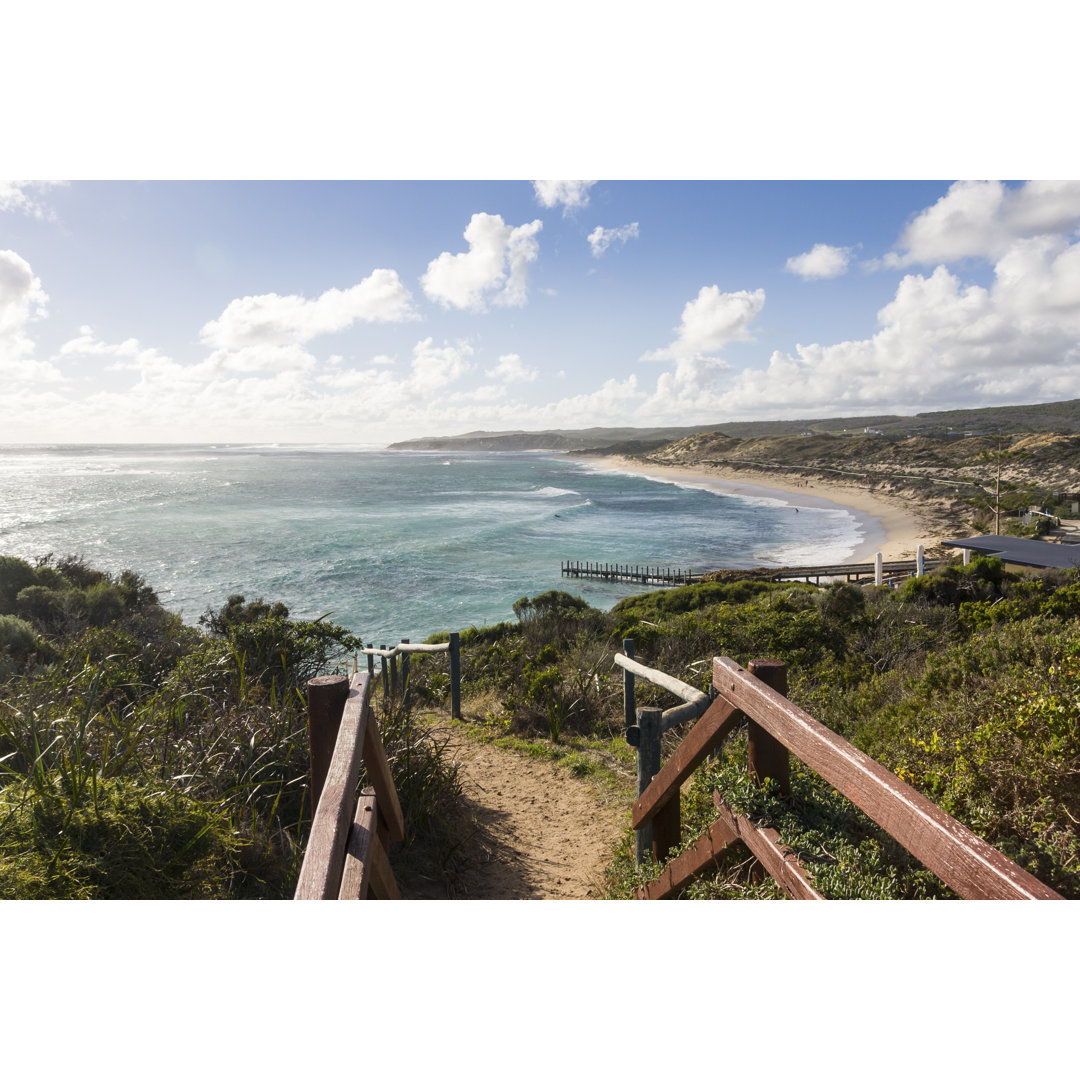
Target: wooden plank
pixel 324 859
pixel 668 682
pixel 383 885
pixel 356 875
pixel 778 859
pixel 964 861
pixel 692 863
pixel 700 740
pixel 378 770
pixel 767 758
pixel 667 829
pixel 367 874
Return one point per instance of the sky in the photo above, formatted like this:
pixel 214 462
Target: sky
pixel 364 312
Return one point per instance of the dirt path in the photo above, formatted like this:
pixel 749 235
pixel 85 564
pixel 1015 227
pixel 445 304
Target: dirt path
pixel 542 834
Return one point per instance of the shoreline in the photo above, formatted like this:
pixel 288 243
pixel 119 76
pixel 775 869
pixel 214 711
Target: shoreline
pixel 890 524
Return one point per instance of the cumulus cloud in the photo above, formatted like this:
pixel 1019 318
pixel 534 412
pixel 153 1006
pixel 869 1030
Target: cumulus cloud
pixel 434 366
pixel 710 321
pixel 600 239
pixel 496 264
pixel 821 261
pixel 22 301
pixel 984 218
pixel 511 368
pixel 570 194
pixel 270 319
pixel 22 195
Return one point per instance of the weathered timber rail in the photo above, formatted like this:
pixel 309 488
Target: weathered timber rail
pixel 665 575
pixel 346 854
pixel 776 726
pixel 404 650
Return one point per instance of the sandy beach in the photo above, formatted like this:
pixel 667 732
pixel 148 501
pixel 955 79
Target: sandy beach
pixel 891 525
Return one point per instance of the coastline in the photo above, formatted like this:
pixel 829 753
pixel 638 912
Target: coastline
pixel 890 524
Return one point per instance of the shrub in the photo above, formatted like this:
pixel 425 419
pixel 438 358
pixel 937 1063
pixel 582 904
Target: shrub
pixel 127 842
pixel 16 637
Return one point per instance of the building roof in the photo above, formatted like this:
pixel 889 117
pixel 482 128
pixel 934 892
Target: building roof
pixel 1022 552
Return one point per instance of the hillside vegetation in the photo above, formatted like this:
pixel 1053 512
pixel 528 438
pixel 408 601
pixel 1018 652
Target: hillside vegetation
pixel 143 758
pixel 964 683
pixel 1055 416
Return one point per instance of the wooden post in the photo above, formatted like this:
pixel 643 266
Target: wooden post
pixel 967 556
pixel 768 757
pixel 648 762
pixel 920 561
pixel 393 678
pixel 629 712
pixel 405 676
pixel 877 569
pixel 371 666
pixel 326 696
pixel 385 680
pixel 455 676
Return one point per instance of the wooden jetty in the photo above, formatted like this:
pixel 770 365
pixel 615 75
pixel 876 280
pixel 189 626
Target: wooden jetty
pixel 666 575
pixel 640 575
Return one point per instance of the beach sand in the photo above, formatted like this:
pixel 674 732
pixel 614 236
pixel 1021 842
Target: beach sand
pixel 892 525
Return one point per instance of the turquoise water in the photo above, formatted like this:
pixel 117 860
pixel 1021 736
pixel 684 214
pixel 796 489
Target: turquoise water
pixel 394 544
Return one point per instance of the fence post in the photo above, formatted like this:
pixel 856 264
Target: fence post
pixel 371 665
pixel 455 676
pixel 405 676
pixel 768 757
pixel 393 678
pixel 648 765
pixel 326 697
pixel 877 568
pixel 385 680
pixel 629 712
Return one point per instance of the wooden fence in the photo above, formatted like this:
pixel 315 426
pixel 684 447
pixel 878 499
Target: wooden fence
pixel 404 650
pixel 346 856
pixel 967 864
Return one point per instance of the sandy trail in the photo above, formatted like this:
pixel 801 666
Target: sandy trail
pixel 542 834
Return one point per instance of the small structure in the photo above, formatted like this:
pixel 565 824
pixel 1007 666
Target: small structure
pixel 1017 551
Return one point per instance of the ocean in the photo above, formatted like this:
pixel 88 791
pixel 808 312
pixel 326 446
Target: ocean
pixel 391 544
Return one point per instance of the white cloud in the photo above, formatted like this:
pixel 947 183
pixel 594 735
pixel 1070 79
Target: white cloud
pixel 496 263
pixel 710 321
pixel 22 301
pixel 600 239
pixel 270 319
pixel 571 194
pixel 821 261
pixel 511 368
pixel 983 219
pixel 21 195
pixel 436 366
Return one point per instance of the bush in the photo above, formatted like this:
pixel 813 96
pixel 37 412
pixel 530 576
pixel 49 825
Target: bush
pixel 16 637
pixel 128 842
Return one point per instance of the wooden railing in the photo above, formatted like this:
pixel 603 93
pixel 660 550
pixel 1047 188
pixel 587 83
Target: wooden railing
pixel 390 669
pixel 966 863
pixel 347 851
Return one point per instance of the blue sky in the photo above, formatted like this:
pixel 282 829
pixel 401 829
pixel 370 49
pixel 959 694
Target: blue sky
pixel 369 311
pixel 150 301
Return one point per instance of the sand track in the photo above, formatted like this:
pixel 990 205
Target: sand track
pixel 542 834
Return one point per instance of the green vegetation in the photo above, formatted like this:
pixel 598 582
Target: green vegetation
pixel 142 758
pixel 964 683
